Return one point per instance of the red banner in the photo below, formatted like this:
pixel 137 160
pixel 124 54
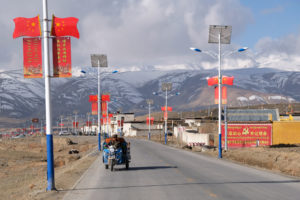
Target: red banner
pixel 94 108
pixel 32 58
pixel 88 123
pixel 104 108
pixel 247 135
pixel 77 123
pixel 224 95
pixel 105 97
pixel 150 121
pixel 62 57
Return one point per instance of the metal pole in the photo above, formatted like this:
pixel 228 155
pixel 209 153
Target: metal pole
pixel 99 98
pixel 49 137
pixel 107 119
pixel 149 134
pixel 225 119
pixel 88 124
pixel 220 98
pixel 166 136
pixel 61 123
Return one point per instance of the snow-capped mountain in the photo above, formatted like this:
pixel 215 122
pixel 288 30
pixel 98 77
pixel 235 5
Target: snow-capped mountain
pixel 129 89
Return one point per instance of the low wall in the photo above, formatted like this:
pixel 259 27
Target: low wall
pixel 286 132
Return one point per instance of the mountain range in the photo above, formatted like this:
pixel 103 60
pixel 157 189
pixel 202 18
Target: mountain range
pixel 129 88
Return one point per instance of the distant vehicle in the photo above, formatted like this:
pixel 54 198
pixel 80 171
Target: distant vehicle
pixel 62 133
pixel 170 133
pixel 19 136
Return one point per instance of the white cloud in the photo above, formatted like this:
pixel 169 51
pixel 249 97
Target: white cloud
pixel 131 32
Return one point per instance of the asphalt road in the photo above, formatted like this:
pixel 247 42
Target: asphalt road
pixel 161 172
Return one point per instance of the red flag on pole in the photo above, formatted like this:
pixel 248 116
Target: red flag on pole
pixel 27 27
pixel 93 98
pixel 62 66
pixel 32 58
pixel 64 27
pixel 224 95
pixel 164 108
pixel 105 97
pixel 227 80
pixel 212 81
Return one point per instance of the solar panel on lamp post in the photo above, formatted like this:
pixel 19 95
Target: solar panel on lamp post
pixel 166 87
pixel 149 102
pixel 99 60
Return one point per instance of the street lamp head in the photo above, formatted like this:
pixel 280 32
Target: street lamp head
pixel 242 49
pixel 195 49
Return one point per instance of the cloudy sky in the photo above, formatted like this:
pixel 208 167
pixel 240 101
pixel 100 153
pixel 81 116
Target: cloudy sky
pixel 160 32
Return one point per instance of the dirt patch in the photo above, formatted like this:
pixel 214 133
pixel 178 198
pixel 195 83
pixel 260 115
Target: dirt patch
pixel 23 165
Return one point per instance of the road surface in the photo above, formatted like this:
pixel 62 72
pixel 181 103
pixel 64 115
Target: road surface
pixel 160 172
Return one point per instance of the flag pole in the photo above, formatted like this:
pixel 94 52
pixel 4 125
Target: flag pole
pixel 49 136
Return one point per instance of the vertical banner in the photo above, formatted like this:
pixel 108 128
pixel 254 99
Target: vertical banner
pixel 94 108
pixel 224 95
pixel 32 58
pixel 62 57
pixel 104 108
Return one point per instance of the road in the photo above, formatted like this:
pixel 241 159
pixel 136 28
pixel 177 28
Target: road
pixel 161 172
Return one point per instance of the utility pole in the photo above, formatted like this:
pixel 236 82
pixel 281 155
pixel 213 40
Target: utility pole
pixel 149 102
pixel 166 87
pixel 49 137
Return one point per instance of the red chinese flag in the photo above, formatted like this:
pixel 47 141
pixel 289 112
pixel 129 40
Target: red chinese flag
pixel 212 81
pixel 227 80
pixel 61 124
pixel 110 115
pixel 104 115
pixel 32 58
pixel 105 97
pixel 224 95
pixel 27 27
pixel 62 66
pixel 64 27
pixel 164 108
pixel 94 108
pixel 93 98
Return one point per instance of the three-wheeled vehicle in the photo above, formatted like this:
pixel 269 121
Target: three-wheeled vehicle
pixel 116 151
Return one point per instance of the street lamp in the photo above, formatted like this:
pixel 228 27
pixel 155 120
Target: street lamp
pixel 99 60
pixel 149 102
pixel 219 35
pixel 166 87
